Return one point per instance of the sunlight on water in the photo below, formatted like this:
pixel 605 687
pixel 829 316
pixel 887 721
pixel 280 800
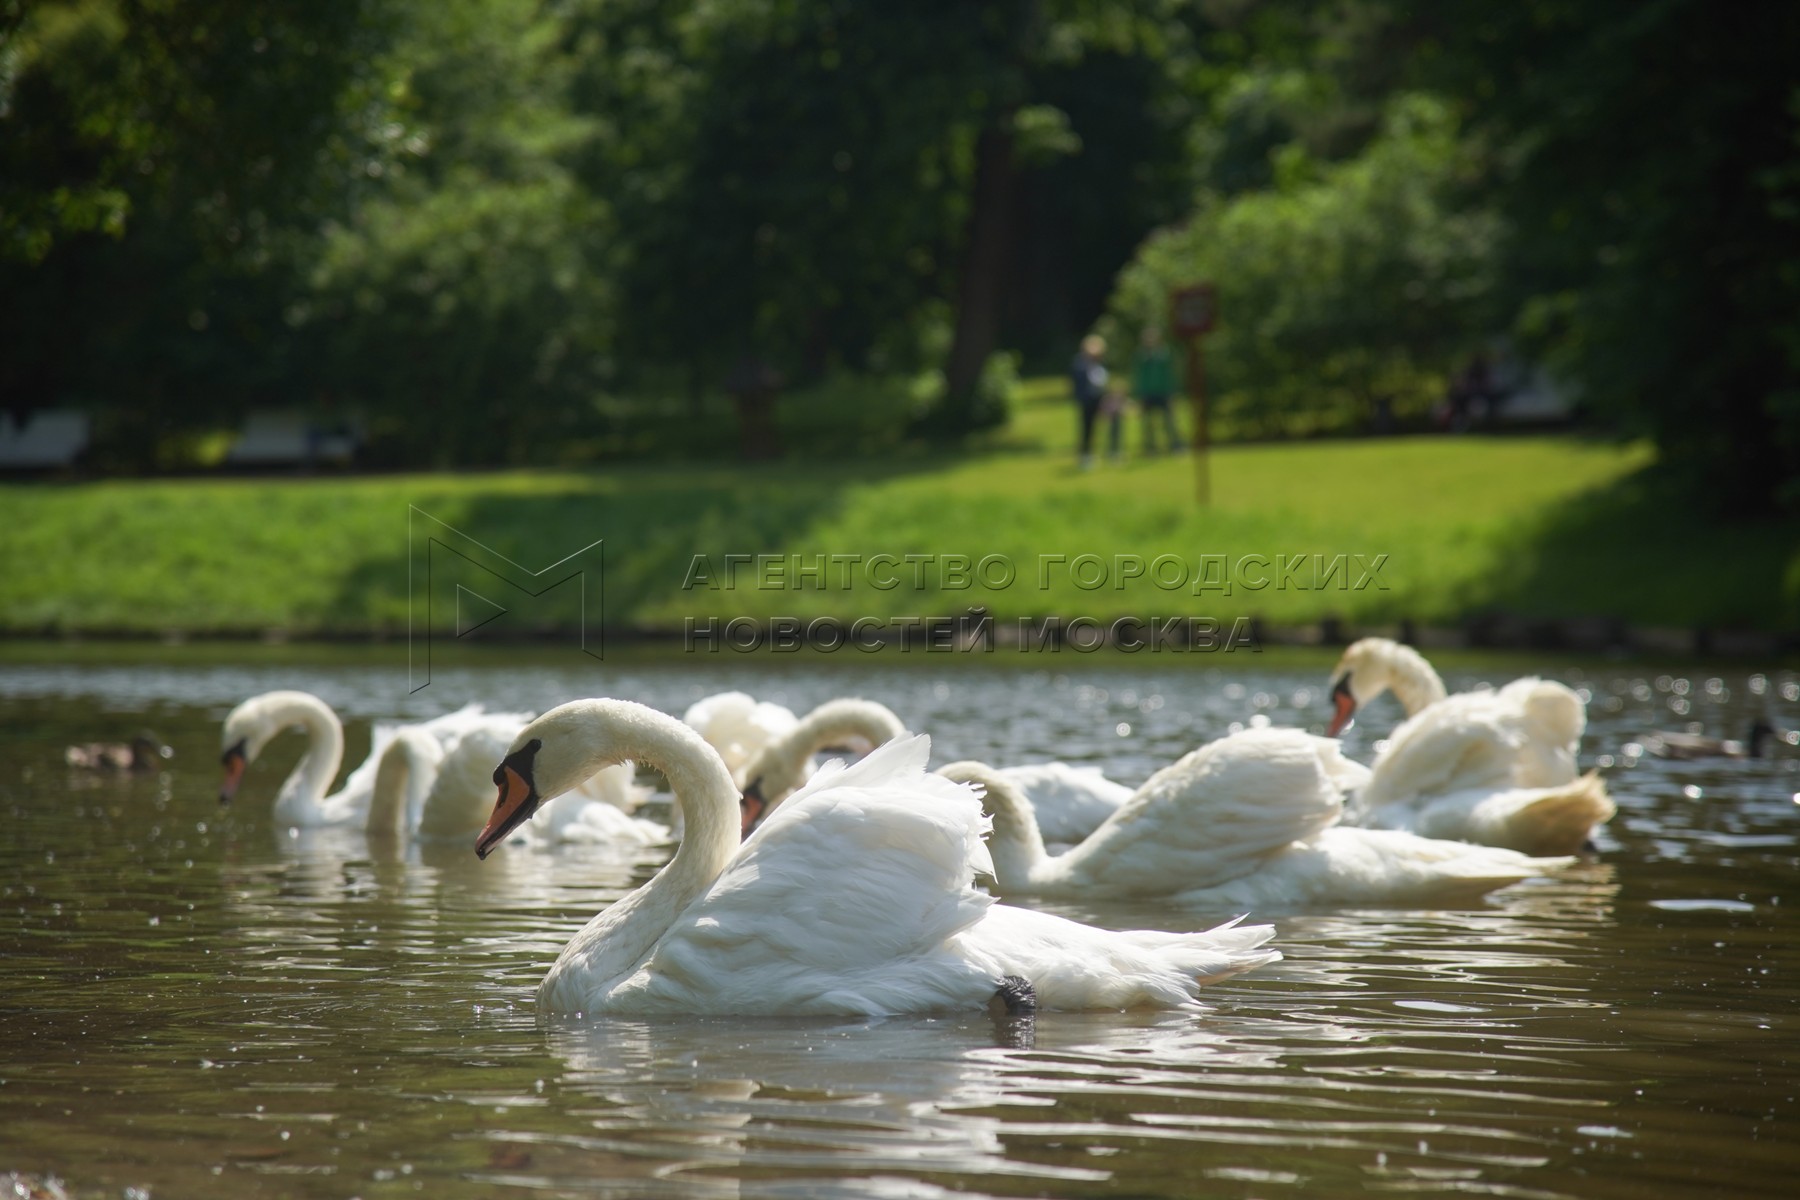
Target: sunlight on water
pixel 199 1004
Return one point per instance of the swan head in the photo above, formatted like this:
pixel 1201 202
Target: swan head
pixel 568 745
pixel 519 797
pixel 248 728
pixel 772 774
pixel 1343 704
pixel 778 769
pixel 751 806
pixel 1369 667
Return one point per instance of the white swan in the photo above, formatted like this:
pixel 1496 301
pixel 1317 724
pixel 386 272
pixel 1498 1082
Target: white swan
pixel 786 762
pixel 1496 767
pixel 428 781
pixel 1248 820
pixel 301 801
pixel 854 898
pixel 737 725
pixel 1069 802
pixel 428 793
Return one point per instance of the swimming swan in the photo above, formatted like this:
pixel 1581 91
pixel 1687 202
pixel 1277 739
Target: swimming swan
pixel 1248 821
pixel 301 801
pixel 426 793
pixel 1496 767
pixel 786 762
pixel 737 725
pixel 854 898
pixel 1069 802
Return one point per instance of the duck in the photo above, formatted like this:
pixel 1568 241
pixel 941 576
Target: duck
pixel 144 752
pixel 1669 743
pixel 854 898
pixel 1250 821
pixel 784 763
pixel 738 725
pixel 426 791
pixel 302 802
pixel 1491 766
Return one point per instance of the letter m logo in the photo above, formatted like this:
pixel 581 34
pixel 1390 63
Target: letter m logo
pixel 456 585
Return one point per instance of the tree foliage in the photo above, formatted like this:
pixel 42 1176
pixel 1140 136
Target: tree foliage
pixel 493 230
pixel 1343 286
pixel 1648 161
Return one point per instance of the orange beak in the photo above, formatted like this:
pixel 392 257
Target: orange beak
pixel 516 802
pixel 235 764
pixel 1344 709
pixel 751 807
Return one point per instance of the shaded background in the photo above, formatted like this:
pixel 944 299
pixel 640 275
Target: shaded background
pixel 563 229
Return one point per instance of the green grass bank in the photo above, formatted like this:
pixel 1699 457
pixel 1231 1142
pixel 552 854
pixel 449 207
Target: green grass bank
pixel 1539 527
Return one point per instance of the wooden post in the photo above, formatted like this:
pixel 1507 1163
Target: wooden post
pixel 1193 311
pixel 1196 389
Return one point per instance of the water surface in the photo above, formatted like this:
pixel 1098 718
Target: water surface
pixel 198 1004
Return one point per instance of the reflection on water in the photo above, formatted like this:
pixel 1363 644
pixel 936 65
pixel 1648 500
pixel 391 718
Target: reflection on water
pixel 202 1005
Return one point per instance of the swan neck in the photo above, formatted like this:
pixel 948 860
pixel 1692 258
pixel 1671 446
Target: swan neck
pixel 1014 843
pixel 782 765
pixel 828 723
pixel 617 940
pixel 301 799
pixel 394 808
pixel 1415 683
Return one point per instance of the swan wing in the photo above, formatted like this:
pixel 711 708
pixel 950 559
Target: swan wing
pixel 844 901
pixel 1469 740
pixel 462 795
pixel 1214 814
pixel 615 786
pixel 1551 718
pixel 1343 866
pixel 575 819
pixel 1547 820
pixel 1070 802
pixel 1076 966
pixel 737 725
pixel 1460 750
pixel 453 725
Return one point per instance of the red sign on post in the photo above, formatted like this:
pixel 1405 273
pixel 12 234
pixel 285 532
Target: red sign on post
pixel 1193 309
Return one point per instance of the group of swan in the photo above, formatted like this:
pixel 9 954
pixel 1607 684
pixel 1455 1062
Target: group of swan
pixel 854 897
pixel 1490 766
pixel 425 782
pixel 1250 821
pixel 1493 767
pixel 851 890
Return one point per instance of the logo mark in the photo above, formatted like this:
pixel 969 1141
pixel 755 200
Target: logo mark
pixel 438 553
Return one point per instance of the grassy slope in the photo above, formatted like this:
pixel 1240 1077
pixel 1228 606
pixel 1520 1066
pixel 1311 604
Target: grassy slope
pixel 1537 526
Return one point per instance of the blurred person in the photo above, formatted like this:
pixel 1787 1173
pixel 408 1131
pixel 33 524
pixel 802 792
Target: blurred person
pixel 1153 380
pixel 1112 407
pixel 1087 383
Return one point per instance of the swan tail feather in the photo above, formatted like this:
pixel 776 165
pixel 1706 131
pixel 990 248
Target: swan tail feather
pixel 1542 821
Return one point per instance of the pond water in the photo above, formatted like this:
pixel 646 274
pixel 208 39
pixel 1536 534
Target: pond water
pixel 196 1004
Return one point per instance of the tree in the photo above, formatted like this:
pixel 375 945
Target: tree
pixel 156 157
pixel 1343 285
pixel 1648 163
pixel 461 301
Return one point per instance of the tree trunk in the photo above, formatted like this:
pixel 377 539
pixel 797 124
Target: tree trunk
pixel 983 273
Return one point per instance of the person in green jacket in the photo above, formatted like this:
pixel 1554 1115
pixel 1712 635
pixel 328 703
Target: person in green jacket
pixel 1153 380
